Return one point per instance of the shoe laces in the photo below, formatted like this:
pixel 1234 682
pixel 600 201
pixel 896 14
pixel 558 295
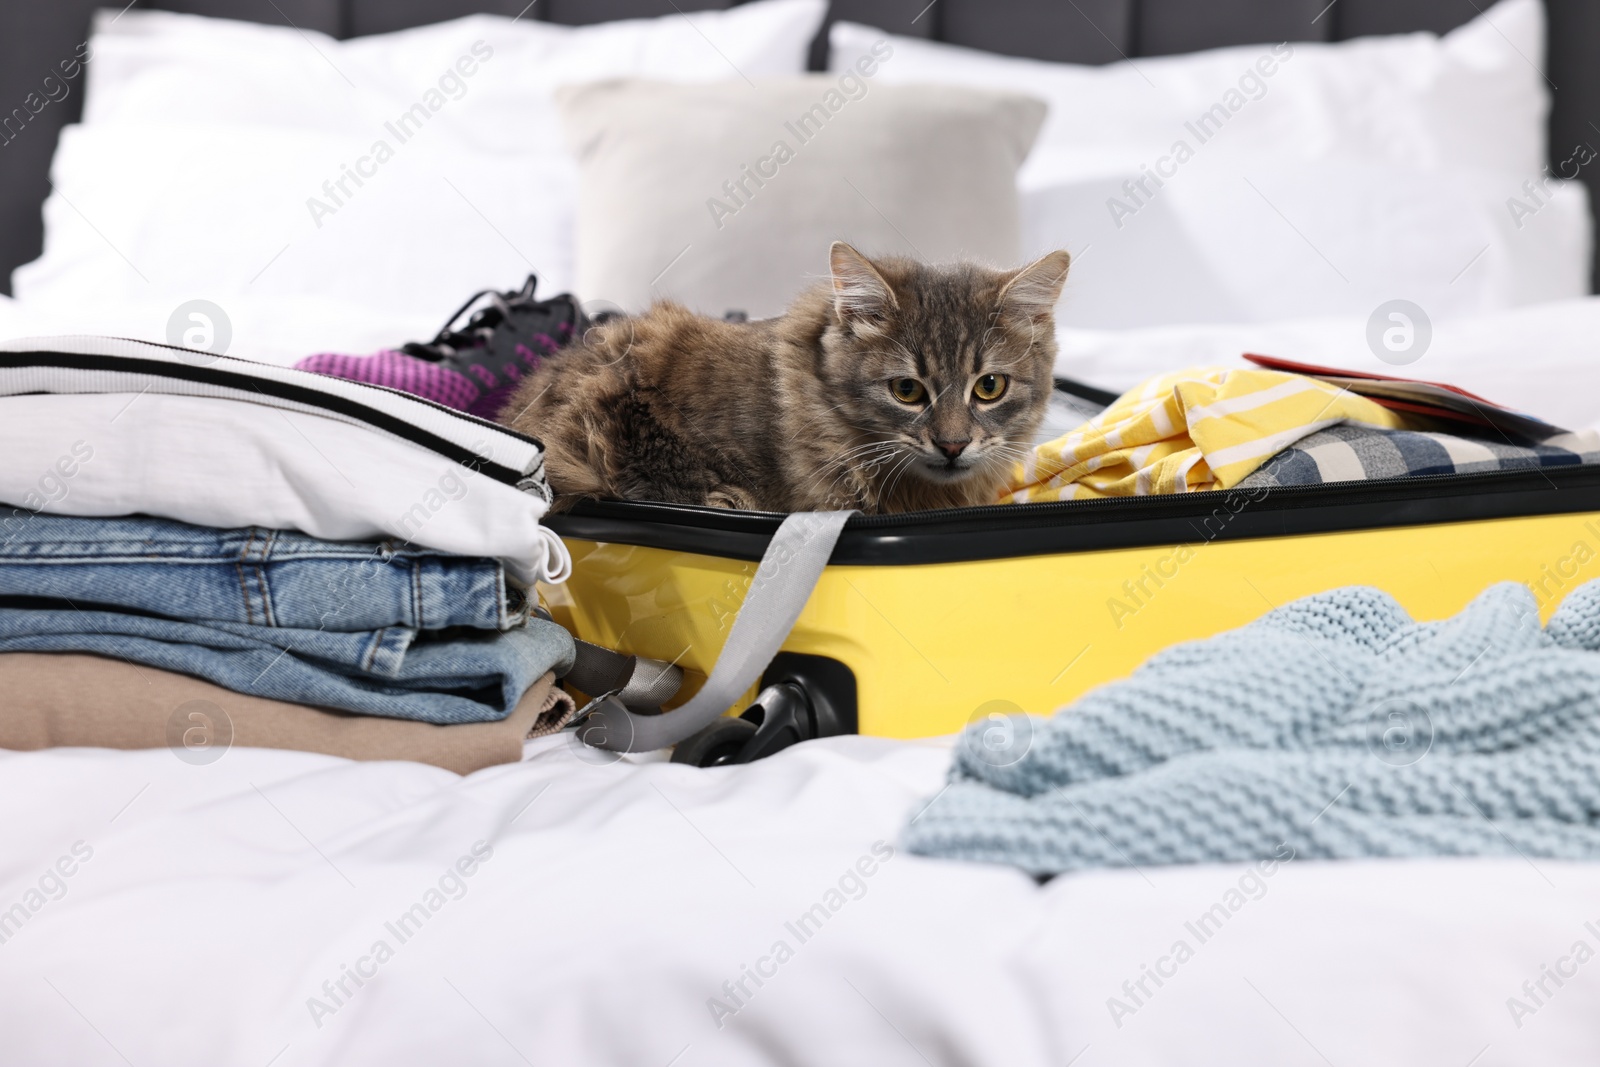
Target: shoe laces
pixel 479 328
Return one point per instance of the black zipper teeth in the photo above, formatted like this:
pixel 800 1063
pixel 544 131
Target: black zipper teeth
pixel 1353 491
pixel 1112 508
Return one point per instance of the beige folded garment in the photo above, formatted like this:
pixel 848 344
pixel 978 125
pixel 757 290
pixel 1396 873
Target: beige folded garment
pixel 50 700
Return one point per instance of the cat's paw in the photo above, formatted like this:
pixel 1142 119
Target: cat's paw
pixel 731 497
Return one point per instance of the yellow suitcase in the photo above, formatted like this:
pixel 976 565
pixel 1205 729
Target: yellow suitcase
pixel 922 623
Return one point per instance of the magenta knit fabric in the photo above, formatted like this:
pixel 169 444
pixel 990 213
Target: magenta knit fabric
pixel 396 370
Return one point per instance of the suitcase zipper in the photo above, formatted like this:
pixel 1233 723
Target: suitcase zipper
pixel 1000 530
pixel 1325 494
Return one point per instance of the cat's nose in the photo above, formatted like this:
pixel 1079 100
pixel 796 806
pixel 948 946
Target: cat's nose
pixel 953 448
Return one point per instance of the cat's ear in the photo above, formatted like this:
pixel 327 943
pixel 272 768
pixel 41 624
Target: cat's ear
pixel 860 294
pixel 1034 290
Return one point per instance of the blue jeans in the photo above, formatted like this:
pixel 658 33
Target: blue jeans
pixel 371 628
pixel 254 576
pixel 432 676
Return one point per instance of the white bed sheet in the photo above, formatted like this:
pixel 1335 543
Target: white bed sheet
pixel 1543 359
pixel 619 897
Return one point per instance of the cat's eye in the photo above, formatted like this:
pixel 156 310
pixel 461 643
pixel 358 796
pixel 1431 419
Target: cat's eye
pixel 990 387
pixel 908 390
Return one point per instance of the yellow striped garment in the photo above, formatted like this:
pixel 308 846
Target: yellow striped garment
pixel 1205 428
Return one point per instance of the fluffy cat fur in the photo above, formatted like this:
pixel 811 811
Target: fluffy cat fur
pixel 869 393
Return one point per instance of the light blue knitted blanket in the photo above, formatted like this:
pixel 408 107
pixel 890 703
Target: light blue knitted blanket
pixel 1335 725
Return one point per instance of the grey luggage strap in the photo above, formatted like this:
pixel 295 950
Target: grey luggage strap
pixel 635 681
pixel 789 571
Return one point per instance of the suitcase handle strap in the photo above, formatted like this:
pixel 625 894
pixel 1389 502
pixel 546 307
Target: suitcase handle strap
pixel 636 681
pixel 789 571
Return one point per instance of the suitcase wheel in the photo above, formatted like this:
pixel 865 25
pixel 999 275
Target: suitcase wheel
pixel 716 745
pixel 782 714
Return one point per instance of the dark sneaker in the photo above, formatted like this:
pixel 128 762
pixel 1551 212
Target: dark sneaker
pixel 503 341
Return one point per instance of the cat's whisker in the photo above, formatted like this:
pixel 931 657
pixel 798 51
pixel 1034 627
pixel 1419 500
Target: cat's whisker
pixel 888 442
pixel 868 446
pixel 865 464
pixel 869 463
pixel 1007 459
pixel 1001 467
pixel 859 453
pixel 816 416
pixel 1013 365
pixel 850 462
pixel 836 490
pixel 813 419
pixel 895 476
pixel 910 355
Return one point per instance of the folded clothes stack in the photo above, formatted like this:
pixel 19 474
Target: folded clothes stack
pixel 321 557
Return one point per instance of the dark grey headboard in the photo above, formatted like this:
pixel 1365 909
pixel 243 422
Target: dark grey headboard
pixel 36 34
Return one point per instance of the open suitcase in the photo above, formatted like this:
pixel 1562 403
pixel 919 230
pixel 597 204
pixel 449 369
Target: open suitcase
pixel 921 623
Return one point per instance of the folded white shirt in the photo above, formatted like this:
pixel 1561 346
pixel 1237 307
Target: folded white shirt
pixel 102 427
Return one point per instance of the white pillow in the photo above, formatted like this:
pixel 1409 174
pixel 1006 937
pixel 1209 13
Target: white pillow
pixel 1283 238
pixel 219 212
pixel 1472 98
pixel 1254 183
pixel 209 147
pixel 494 76
pixel 726 197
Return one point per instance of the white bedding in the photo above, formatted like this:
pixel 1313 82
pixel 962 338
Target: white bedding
pixel 618 898
pixel 157 912
pixel 1543 359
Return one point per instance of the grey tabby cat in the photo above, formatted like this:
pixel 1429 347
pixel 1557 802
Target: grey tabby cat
pixel 894 386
